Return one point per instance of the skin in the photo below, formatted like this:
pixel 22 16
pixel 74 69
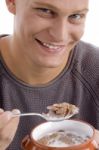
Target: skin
pixel 8 127
pixel 44 34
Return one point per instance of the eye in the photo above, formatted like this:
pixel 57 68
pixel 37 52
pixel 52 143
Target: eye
pixel 45 12
pixel 77 18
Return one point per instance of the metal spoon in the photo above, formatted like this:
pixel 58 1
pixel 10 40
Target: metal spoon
pixel 49 116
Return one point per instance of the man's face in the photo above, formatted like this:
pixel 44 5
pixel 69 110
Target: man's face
pixel 47 30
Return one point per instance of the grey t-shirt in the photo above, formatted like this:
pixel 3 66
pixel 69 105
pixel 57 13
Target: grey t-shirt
pixel 78 84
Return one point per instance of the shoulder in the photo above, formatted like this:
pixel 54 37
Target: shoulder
pixel 87 55
pixel 2 45
pixel 87 63
pixel 87 49
pixel 2 37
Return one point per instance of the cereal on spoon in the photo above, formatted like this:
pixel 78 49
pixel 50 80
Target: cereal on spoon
pixel 62 109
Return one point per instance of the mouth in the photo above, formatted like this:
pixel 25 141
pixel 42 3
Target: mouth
pixel 51 47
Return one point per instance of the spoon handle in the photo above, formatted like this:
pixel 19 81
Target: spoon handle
pixel 27 114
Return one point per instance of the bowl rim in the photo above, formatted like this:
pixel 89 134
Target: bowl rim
pixel 82 145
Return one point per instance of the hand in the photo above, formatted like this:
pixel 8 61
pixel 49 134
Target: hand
pixel 97 137
pixel 8 127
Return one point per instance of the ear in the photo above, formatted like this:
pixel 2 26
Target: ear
pixel 11 6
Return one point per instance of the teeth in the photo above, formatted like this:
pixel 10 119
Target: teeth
pixel 51 46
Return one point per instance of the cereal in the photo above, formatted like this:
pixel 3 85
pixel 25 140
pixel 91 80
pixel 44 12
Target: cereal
pixel 62 139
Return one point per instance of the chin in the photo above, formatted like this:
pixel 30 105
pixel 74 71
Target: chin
pixel 53 65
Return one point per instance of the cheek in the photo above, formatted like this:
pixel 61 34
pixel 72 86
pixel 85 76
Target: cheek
pixel 35 23
pixel 77 32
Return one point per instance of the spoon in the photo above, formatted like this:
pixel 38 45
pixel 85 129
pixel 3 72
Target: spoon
pixel 48 116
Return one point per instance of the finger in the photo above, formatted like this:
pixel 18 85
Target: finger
pixel 1 110
pixel 15 111
pixel 4 118
pixel 95 144
pixel 8 132
pixel 96 137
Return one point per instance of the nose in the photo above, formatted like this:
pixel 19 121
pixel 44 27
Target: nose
pixel 59 30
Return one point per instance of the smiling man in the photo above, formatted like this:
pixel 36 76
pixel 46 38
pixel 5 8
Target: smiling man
pixel 44 62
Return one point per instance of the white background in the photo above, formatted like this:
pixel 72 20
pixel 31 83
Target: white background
pixel 92 24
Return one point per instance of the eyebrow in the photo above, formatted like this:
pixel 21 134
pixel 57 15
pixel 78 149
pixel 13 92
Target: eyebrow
pixel 45 4
pixel 82 10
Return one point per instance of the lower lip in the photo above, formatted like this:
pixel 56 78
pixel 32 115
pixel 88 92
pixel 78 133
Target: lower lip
pixel 51 50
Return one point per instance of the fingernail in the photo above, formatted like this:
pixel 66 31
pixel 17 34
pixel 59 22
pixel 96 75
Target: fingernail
pixel 16 111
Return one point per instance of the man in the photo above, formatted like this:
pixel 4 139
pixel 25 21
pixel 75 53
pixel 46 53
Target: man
pixel 44 62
